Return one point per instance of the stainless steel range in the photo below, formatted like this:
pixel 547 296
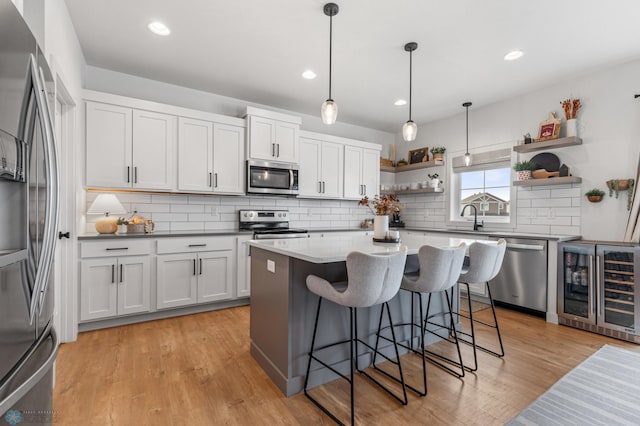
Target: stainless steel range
pixel 269 224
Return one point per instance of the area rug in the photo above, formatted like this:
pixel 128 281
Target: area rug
pixel 603 390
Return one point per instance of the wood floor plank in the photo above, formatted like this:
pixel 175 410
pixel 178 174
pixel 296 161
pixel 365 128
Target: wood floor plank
pixel 197 370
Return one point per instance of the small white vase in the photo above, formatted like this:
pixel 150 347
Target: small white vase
pixel 572 127
pixel 380 226
pixel 434 183
pixel 122 229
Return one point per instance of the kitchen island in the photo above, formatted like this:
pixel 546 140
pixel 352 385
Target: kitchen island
pixel 282 309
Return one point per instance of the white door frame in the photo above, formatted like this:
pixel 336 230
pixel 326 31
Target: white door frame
pixel 65 315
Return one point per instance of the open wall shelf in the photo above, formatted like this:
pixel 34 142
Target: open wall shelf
pixel 415 191
pixel 549 181
pixel 555 143
pixel 409 167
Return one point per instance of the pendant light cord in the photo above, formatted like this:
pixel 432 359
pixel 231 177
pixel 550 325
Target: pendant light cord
pixel 330 50
pixel 410 80
pixel 467 129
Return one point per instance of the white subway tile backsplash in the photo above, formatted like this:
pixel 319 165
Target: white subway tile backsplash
pixel 203 199
pixel 170 217
pixel 187 208
pixel 551 202
pixel 565 192
pixel 187 226
pixel 565 230
pixel 169 199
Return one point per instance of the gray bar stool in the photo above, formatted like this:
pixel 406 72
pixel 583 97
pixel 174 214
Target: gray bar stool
pixel 372 280
pixel 485 261
pixel 438 273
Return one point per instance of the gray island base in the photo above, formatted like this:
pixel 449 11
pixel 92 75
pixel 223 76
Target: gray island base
pixel 283 309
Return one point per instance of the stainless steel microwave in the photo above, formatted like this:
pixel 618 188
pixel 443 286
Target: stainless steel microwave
pixel 269 177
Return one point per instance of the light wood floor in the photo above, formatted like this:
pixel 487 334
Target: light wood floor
pixel 197 370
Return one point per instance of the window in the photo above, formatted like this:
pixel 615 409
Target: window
pixel 486 185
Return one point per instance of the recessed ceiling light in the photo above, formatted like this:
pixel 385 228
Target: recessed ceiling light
pixel 309 75
pixel 513 55
pixel 159 28
pixel 400 102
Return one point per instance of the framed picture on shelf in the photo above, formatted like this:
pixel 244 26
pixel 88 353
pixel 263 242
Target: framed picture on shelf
pixel 550 128
pixel 420 155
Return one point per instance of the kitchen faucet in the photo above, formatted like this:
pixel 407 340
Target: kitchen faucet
pixel 475 216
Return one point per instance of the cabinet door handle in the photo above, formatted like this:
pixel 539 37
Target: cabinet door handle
pixel 319 187
pixel 364 192
pixel 278 152
pixel 194 266
pixel 113 273
pixel 323 186
pixel 210 180
pixel 121 274
pixel 215 180
pixel 128 174
pixel 273 149
pixel 135 174
pixel 200 261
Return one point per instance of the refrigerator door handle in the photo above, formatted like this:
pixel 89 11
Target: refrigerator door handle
pixel 15 396
pixel 51 213
pixel 591 305
pixel 599 284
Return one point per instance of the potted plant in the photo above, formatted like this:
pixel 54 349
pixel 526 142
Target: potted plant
pixel 617 185
pixel 401 163
pixel 437 152
pixel 595 195
pixel 381 207
pixel 524 169
pixel 122 225
pixel 434 180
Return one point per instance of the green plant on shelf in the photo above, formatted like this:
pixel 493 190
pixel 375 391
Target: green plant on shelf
pixel 595 193
pixel 521 166
pixel 617 185
pixel 438 150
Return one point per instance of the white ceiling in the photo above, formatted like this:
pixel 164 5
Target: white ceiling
pixel 255 50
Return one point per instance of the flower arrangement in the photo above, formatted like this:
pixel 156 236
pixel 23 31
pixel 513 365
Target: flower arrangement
pixel 571 108
pixel 382 206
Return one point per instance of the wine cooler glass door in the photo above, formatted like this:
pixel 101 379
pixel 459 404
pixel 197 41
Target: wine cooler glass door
pixel 576 283
pixel 618 292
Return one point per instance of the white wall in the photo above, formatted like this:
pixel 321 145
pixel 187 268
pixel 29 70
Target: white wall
pixel 108 81
pixel 609 125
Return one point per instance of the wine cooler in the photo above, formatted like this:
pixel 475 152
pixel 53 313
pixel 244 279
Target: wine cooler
pixel 597 289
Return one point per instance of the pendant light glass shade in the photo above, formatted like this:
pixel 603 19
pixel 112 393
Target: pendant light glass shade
pixel 329 109
pixel 467 156
pixel 409 131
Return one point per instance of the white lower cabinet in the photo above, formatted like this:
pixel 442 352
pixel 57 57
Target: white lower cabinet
pixel 243 281
pixel 195 276
pixel 114 286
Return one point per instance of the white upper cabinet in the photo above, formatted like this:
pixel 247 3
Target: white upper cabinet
pixel 273 136
pixel 228 159
pixel 195 155
pixel 154 150
pixel 361 172
pixel 129 148
pixel 211 157
pixel 109 146
pixel 321 165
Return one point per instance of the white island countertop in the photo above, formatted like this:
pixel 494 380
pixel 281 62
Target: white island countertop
pixel 335 249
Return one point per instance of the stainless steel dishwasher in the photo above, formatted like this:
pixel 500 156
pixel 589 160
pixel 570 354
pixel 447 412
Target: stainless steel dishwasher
pixel 522 281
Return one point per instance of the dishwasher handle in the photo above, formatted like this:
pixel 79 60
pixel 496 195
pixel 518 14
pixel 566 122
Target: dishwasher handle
pixel 531 247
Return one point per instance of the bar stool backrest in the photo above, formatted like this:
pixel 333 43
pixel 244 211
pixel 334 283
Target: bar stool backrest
pixel 485 261
pixel 439 269
pixel 373 279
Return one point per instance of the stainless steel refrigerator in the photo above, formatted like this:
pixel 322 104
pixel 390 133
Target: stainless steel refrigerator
pixel 28 225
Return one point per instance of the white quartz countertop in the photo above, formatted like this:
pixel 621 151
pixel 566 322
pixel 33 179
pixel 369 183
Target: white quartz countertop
pixel 335 249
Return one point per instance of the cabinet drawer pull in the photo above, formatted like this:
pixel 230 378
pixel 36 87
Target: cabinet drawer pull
pixel 117 248
pixel 197 245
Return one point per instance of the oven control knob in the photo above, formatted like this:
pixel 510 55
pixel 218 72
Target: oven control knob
pixel 250 214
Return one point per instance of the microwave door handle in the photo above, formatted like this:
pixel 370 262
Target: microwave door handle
pixel 290 179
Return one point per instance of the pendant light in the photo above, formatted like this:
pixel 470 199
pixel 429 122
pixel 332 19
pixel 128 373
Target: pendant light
pixel 410 130
pixel 467 156
pixel 329 110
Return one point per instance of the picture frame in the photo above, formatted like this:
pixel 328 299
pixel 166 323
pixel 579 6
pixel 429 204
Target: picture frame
pixel 550 128
pixel 420 155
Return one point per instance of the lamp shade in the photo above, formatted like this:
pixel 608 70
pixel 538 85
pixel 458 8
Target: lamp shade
pixel 106 204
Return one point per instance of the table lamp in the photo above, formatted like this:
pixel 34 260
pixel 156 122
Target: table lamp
pixel 106 204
